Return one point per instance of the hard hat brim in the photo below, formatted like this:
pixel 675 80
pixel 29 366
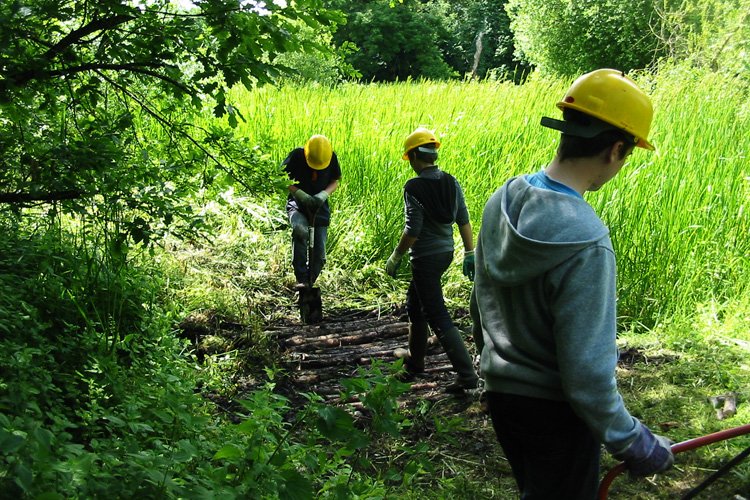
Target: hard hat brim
pixel 596 127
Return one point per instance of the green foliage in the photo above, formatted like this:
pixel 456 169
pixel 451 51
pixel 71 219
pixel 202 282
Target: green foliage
pixel 713 34
pixel 436 39
pixel 95 394
pixel 84 400
pixel 321 452
pixel 394 42
pixel 570 37
pixel 99 103
pixel 319 67
pixel 478 40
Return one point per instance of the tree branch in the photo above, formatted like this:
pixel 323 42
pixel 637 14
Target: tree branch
pixel 132 67
pixel 75 36
pixel 21 77
pixel 167 125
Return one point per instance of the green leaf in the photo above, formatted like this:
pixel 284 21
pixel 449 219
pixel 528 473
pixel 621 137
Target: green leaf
pixel 11 443
pixel 295 486
pixel 44 437
pixel 118 422
pixel 229 451
pixel 51 495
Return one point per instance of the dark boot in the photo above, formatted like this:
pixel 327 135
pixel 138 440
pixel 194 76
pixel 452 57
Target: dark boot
pixel 414 356
pixel 454 346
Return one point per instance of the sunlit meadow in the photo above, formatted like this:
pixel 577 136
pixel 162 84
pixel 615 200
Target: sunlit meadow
pixel 677 215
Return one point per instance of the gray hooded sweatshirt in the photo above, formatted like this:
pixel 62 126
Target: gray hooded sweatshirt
pixel 543 306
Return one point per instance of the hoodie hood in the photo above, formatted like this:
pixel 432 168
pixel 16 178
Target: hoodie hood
pixel 533 230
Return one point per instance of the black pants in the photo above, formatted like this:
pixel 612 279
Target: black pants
pixel 550 449
pixel 424 299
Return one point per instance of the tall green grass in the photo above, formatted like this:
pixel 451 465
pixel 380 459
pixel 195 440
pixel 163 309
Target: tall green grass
pixel 678 217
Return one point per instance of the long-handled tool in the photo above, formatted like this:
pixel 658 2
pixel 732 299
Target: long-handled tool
pixel 685 446
pixel 310 304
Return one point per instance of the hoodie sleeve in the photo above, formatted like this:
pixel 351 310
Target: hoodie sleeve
pixel 583 301
pixel 476 322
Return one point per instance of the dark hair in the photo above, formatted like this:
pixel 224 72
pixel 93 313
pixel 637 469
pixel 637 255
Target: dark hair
pixel 424 156
pixel 580 147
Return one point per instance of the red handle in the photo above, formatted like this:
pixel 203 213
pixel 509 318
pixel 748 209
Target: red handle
pixel 678 448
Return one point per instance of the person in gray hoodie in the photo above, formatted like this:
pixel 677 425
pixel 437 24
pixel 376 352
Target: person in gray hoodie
pixel 544 303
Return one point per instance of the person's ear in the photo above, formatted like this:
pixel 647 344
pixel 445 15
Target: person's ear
pixel 615 152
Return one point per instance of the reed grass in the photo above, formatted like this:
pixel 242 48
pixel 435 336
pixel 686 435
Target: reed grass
pixel 678 217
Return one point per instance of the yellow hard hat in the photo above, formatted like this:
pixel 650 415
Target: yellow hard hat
pixel 318 152
pixel 611 96
pixel 419 137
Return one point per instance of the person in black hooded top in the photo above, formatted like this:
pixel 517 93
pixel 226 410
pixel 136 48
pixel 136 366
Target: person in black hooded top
pixel 314 173
pixel 433 202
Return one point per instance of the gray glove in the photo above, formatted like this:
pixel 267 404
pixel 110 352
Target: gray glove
pixel 304 200
pixel 649 454
pixel 318 200
pixel 393 263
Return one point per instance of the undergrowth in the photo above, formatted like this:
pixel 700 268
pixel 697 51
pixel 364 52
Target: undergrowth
pixel 100 394
pixel 99 391
pixel 666 374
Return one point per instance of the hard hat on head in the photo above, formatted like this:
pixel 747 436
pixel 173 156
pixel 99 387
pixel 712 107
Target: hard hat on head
pixel 612 97
pixel 318 152
pixel 419 137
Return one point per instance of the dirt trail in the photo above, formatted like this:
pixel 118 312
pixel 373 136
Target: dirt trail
pixel 318 356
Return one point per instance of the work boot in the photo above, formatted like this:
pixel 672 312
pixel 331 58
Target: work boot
pixel 453 344
pixel 414 356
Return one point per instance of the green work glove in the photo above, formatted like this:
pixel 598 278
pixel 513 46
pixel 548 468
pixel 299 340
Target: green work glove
pixel 304 200
pixel 469 264
pixel 319 199
pixel 394 261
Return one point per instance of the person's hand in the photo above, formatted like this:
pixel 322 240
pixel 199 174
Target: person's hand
pixel 469 264
pixel 304 200
pixel 318 200
pixel 394 261
pixel 649 454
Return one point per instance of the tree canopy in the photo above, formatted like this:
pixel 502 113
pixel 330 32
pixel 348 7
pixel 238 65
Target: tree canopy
pixel 564 37
pixel 96 101
pixel 398 39
pixel 431 39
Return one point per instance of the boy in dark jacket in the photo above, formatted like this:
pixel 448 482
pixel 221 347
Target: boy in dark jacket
pixel 314 173
pixel 433 202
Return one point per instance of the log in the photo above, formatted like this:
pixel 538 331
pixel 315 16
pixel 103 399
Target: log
pixel 355 338
pixel 328 328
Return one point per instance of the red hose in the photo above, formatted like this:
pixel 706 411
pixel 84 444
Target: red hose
pixel 677 448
